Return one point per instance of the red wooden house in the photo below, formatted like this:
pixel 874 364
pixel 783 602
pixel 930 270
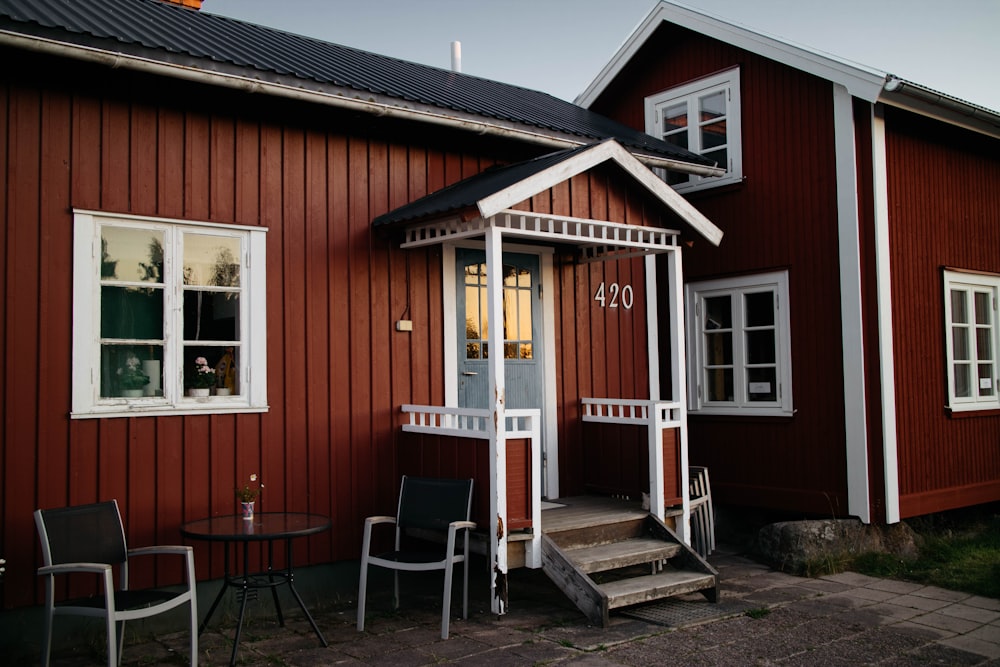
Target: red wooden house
pixel 843 341
pixel 333 231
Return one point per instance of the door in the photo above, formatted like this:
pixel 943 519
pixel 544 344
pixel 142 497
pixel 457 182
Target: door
pixel 522 325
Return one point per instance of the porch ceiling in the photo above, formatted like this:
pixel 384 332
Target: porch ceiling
pixel 470 207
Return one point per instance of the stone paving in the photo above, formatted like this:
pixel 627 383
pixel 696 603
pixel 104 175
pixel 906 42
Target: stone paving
pixel 764 618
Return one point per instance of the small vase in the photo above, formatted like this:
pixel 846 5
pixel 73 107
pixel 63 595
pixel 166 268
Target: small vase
pixel 132 393
pixel 246 510
pixel 199 391
pixel 222 391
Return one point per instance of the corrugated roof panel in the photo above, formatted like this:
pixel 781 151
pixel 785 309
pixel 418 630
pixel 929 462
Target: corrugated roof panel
pixel 143 26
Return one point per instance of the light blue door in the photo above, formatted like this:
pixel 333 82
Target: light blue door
pixel 522 326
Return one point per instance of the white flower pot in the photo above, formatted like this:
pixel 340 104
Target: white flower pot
pixel 199 391
pixel 132 393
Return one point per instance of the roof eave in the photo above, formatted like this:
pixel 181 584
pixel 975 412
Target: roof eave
pixel 237 78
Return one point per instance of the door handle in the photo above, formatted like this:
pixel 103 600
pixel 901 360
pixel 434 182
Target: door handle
pixel 469 373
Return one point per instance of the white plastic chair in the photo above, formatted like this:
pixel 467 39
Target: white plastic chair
pixel 702 514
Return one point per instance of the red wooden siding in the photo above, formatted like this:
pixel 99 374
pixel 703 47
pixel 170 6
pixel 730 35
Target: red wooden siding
pixel 337 371
pixel 782 217
pixel 944 212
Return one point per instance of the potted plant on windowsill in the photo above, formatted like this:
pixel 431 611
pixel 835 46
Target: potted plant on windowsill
pixel 131 377
pixel 204 378
pixel 247 494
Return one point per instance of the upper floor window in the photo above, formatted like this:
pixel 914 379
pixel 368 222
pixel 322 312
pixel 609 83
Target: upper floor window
pixel 703 117
pixel 168 316
pixel 970 313
pixel 739 335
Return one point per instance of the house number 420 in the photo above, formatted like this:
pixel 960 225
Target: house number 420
pixel 609 296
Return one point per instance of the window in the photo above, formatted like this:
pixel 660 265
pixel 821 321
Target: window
pixel 970 306
pixel 703 117
pixel 155 300
pixel 738 338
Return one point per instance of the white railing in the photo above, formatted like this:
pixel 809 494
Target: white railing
pixel 474 423
pixel 657 417
pixel 461 422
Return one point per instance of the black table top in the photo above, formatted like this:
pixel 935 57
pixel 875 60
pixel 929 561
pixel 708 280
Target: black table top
pixel 263 526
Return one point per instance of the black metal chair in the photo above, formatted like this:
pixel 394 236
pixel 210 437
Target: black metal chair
pixel 428 508
pixel 90 539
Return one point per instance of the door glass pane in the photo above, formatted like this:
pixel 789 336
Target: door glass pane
pixel 762 384
pixel 129 254
pixel 211 260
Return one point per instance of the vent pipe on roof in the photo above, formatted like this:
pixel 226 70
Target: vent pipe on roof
pixel 456 56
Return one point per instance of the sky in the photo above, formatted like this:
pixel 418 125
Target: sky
pixel 559 46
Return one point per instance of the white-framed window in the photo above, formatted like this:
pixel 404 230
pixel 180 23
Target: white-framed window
pixel 161 307
pixel 739 341
pixel 702 116
pixel 971 340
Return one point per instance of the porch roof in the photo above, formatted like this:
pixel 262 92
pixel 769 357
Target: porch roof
pixel 498 189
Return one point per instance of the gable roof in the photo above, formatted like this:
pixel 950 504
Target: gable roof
pixel 866 83
pixel 497 189
pixel 172 40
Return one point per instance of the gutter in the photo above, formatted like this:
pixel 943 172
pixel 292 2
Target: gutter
pixel 908 95
pixel 247 84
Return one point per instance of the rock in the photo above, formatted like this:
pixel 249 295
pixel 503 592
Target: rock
pixel 822 545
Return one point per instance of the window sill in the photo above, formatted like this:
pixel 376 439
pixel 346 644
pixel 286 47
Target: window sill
pixel 187 408
pixel 954 413
pixel 741 415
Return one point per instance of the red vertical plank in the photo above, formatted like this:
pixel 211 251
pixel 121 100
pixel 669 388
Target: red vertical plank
pixel 294 286
pixel 359 315
pixel 21 311
pixel 197 137
pixel 115 139
pixel 143 173
pixel 86 161
pixel 247 150
pixel 170 482
pixel 55 288
pixel 222 178
pixel 170 164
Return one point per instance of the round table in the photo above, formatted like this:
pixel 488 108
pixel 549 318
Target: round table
pixel 263 527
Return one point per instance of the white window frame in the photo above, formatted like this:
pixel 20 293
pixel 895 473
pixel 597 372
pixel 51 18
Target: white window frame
pixel 972 283
pixel 695 294
pixel 252 372
pixel 689 93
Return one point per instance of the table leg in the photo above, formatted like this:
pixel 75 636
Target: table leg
pixel 298 598
pixel 222 589
pixel 270 578
pixel 243 601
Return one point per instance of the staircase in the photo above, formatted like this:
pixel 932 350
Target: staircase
pixel 607 558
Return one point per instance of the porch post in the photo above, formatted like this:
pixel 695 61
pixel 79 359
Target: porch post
pixel 678 384
pixel 497 423
pixel 654 431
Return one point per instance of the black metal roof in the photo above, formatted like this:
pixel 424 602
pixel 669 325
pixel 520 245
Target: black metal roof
pixel 177 35
pixel 466 193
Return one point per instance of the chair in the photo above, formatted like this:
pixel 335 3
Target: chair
pixel 702 514
pixel 427 508
pixel 90 538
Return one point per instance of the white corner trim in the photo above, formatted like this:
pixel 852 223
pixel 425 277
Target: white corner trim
pixel 852 325
pixel 883 275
